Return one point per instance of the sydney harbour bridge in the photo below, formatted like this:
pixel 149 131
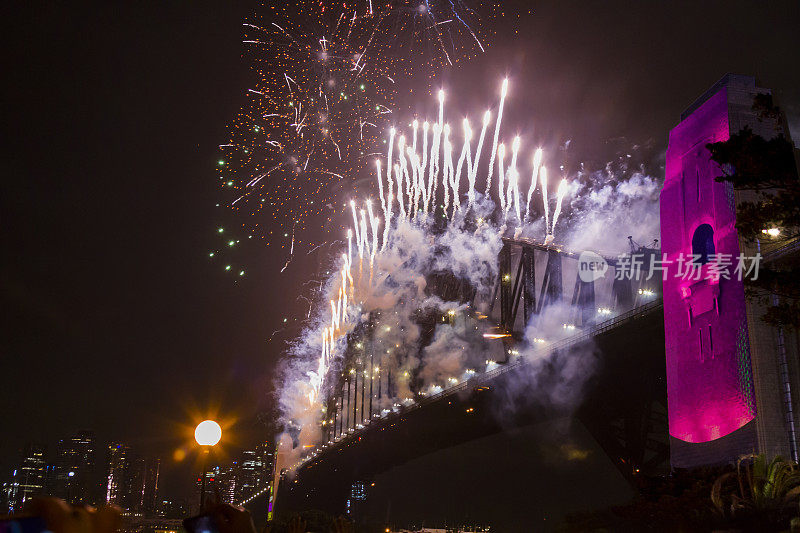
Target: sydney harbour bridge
pixel 617 397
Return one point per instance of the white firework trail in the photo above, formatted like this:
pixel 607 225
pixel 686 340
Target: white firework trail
pixel 374 223
pixel 545 203
pixel 562 190
pixel 537 162
pixel 456 183
pixel 448 156
pixel 364 244
pixel 513 181
pixel 501 178
pixel 503 92
pixel 400 200
pixel 473 166
pixel 424 162
pixel 380 184
pixel 355 227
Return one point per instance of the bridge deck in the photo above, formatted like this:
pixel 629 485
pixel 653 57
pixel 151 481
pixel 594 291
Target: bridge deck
pixel 485 377
pixel 621 405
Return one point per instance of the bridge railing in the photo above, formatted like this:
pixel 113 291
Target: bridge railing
pixel 544 351
pixel 517 362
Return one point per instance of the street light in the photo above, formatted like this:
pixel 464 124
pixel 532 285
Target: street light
pixel 207 434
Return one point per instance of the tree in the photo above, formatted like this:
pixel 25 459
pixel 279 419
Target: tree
pixel 767 169
pixel 758 492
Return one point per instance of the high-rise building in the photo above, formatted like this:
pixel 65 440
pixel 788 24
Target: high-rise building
pixel 148 501
pixel 28 479
pixel 266 454
pixel 732 379
pixel 212 475
pixel 76 478
pixel 132 480
pixel 226 483
pixel 117 478
pixel 249 476
pixel 5 492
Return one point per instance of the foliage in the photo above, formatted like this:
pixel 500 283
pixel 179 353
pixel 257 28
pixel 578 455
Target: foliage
pixel 765 167
pixel 784 284
pixel 765 170
pixel 758 491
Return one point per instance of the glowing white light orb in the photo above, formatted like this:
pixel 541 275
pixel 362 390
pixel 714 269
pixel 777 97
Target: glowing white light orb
pixel 207 433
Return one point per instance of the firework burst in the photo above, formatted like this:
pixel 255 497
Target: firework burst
pixel 326 75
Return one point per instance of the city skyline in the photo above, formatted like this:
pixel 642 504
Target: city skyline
pixel 81 470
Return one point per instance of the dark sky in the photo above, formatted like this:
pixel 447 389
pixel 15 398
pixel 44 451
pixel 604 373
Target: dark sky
pixel 114 319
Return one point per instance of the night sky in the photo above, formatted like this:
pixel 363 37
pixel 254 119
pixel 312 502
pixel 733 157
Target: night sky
pixel 113 317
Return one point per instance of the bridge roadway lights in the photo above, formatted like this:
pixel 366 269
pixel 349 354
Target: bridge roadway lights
pixel 623 408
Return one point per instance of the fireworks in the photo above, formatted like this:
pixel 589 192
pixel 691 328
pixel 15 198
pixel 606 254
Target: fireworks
pixel 426 177
pixel 310 118
pixel 413 177
pixel 325 81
